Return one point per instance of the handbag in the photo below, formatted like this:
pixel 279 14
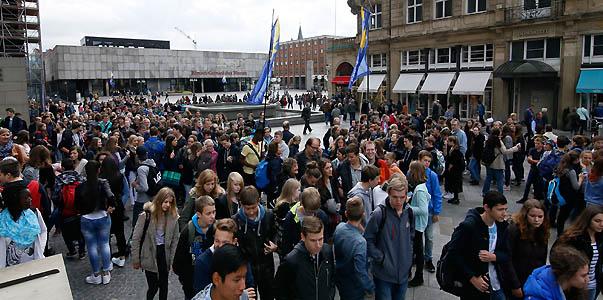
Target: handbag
pixel 171 178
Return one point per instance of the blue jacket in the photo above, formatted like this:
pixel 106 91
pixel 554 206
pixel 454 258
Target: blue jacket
pixel 391 248
pixel 433 188
pixel 351 267
pixel 155 148
pixel 202 274
pixel 542 285
pixel 593 192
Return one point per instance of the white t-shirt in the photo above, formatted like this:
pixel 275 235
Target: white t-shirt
pixel 493 236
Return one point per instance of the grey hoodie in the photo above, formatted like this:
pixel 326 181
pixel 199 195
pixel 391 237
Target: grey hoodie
pixel 141 177
pixel 367 199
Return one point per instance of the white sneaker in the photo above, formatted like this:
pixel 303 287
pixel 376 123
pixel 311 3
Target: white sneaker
pixel 448 195
pixel 94 279
pixel 106 278
pixel 118 261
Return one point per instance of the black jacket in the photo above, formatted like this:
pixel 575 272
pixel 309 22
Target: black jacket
pixel 468 239
pixel 17 125
pixel 345 176
pixel 300 277
pixel 525 256
pixel 252 236
pixel 477 146
pixel 223 166
pixel 292 228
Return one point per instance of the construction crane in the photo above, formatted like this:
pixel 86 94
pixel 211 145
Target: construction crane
pixel 188 37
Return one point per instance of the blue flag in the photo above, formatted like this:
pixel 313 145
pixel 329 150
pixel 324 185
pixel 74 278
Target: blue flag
pixel 361 68
pixel 257 95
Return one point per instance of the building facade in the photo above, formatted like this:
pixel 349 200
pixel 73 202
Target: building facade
pixel 506 54
pixel 302 63
pixel 73 71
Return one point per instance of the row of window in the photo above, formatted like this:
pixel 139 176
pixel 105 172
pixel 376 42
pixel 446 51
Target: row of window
pixel 290 46
pixel 285 55
pixel 449 55
pixel 443 9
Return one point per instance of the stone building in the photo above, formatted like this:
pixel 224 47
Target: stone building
pixel 85 70
pixel 507 54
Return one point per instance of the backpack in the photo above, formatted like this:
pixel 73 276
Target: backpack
pixel 488 156
pixel 39 197
pixel 553 195
pixel 153 180
pixel 261 175
pixel 445 274
pixel 67 195
pixel 547 165
pixel 441 166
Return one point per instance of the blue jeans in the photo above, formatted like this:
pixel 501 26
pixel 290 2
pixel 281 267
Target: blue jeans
pixel 592 294
pixel 497 295
pixel 495 174
pixel 389 291
pixel 428 255
pixel 475 169
pixel 97 233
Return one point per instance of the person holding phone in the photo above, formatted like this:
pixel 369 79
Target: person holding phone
pixel 479 250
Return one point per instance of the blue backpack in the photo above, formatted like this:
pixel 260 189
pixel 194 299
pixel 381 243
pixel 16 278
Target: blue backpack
pixel 553 195
pixel 261 175
pixel 547 166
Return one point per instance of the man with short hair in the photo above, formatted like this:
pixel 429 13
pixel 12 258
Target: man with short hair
pixel 256 233
pixel 410 153
pixel 287 135
pixel 251 154
pixel 12 122
pixel 460 135
pixel 141 184
pixel 390 245
pixel 312 152
pixel 308 271
pixel 155 147
pixel 478 248
pixel 306 114
pixel 278 139
pixel 352 279
pixel 228 273
pixel 369 149
pixel 369 178
pixel 435 207
pixel 196 236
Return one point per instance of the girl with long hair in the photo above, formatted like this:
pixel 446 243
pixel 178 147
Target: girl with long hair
pixel 329 193
pixel 420 207
pixel 570 182
pixel 593 187
pixel 95 201
pixel 109 170
pixel 508 136
pixel 586 236
pixel 528 243
pixel 228 204
pixel 206 185
pixel 289 196
pixel 494 170
pixel 77 155
pixel 155 253
pixel 188 158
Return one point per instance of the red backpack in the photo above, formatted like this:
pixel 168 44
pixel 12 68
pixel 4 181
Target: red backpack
pixel 68 199
pixel 36 196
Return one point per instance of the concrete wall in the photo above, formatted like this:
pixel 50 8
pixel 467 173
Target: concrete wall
pixel 13 86
pixel 80 62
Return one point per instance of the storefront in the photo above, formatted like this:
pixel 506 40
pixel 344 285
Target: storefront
pixel 471 88
pixel 590 88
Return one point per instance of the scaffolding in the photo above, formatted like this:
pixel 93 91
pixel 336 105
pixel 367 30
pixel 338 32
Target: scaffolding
pixel 20 36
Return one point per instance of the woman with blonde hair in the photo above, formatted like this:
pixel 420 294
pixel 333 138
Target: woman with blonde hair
pixel 206 185
pixel 228 204
pixel 419 204
pixel 6 143
pixel 289 196
pixel 154 241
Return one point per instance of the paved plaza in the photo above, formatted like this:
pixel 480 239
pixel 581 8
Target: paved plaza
pixel 127 283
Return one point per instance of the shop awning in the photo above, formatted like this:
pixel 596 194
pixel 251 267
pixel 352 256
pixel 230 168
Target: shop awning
pixel 437 83
pixel 524 68
pixel 342 80
pixel 471 83
pixel 375 81
pixel 590 82
pixel 408 83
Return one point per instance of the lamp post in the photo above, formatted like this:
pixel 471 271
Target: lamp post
pixel 327 78
pixel 193 81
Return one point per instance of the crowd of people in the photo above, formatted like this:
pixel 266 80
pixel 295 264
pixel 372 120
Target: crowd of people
pixel 214 200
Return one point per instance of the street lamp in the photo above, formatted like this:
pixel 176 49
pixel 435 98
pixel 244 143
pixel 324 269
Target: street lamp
pixel 140 84
pixel 193 80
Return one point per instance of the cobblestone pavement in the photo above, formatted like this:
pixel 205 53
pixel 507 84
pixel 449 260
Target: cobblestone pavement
pixel 127 283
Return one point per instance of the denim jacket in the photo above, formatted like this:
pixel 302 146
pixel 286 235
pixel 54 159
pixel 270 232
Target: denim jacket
pixel 351 268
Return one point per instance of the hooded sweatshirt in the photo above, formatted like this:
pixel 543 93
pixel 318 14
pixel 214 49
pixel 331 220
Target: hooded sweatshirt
pixel 141 176
pixel 367 198
pixel 205 294
pixel 542 285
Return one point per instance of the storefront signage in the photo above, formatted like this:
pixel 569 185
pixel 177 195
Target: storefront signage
pixel 533 32
pixel 218 74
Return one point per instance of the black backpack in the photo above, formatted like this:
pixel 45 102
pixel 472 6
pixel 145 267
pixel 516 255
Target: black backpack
pixel 153 180
pixel 488 156
pixel 446 275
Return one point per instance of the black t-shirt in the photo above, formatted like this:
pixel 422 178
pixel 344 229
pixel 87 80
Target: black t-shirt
pixel 536 155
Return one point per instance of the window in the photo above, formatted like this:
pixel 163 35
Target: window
pixel 534 4
pixel 376 17
pixel 378 60
pixel 535 49
pixel 593 45
pixel 315 42
pixel 321 50
pixel 443 55
pixel 517 51
pixel 476 6
pixel 443 8
pixel 553 48
pixel 414 11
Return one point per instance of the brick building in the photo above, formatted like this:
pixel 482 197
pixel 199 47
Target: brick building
pixel 302 63
pixel 507 54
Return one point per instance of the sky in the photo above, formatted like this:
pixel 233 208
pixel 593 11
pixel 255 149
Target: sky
pixel 223 25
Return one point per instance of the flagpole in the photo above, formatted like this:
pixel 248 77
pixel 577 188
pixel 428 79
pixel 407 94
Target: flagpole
pixel 266 94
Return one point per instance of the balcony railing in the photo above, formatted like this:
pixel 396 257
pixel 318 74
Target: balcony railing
pixel 343 44
pixel 534 10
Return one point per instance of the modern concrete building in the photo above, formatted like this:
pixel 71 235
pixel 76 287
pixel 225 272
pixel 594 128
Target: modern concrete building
pixel 101 70
pixel 302 63
pixel 508 54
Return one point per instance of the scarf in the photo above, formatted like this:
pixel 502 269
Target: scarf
pixel 6 149
pixel 23 232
